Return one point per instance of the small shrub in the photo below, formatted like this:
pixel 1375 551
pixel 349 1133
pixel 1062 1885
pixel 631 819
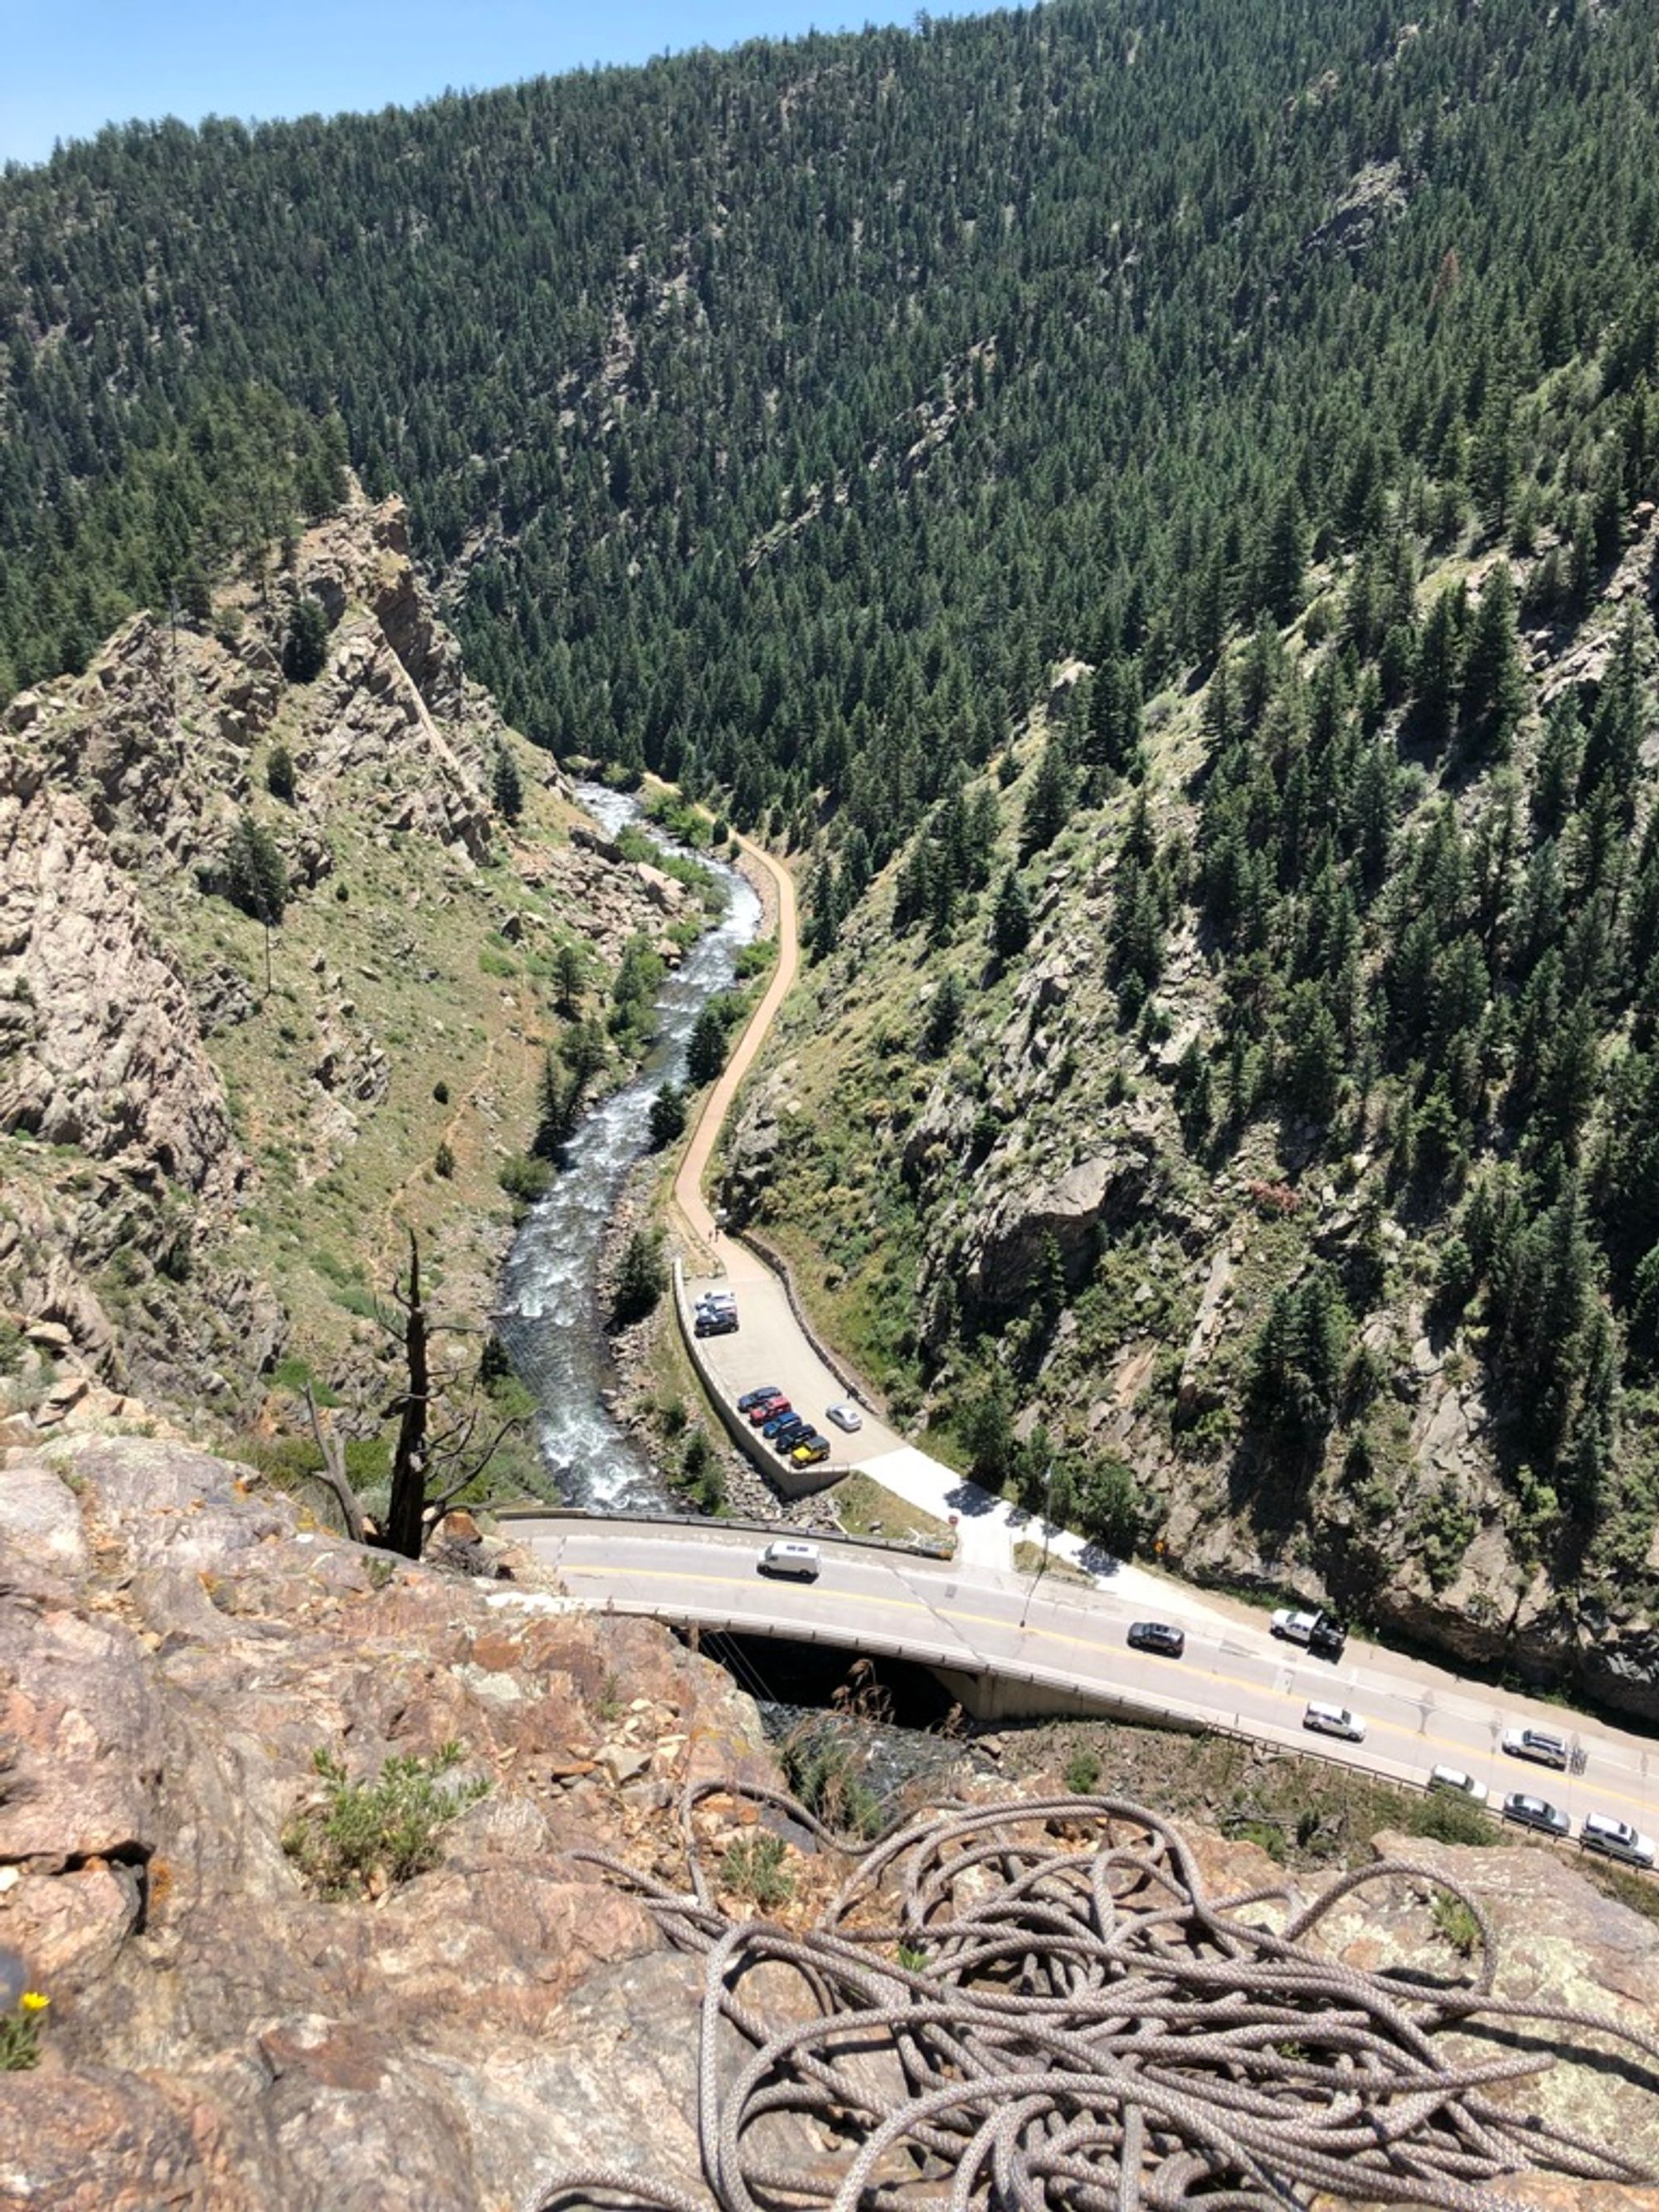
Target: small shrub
pixel 1454 1922
pixel 1083 1773
pixel 820 1772
pixel 366 1837
pixel 440 1092
pixel 279 774
pixel 443 1160
pixel 1449 1820
pixel 524 1179
pixel 754 1867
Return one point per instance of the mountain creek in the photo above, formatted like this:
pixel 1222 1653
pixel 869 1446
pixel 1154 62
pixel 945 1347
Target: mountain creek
pixel 549 1317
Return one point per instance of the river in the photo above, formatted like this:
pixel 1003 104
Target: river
pixel 549 1317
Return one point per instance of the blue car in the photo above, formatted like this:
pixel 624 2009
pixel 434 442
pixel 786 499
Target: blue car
pixel 754 1397
pixel 778 1421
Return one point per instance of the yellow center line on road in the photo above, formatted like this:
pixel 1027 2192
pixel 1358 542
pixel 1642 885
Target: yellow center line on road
pixel 1058 1635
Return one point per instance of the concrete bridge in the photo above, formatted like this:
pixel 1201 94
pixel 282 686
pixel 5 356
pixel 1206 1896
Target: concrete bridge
pixel 1006 1645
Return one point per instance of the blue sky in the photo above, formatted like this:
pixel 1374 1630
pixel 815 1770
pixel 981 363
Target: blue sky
pixel 69 66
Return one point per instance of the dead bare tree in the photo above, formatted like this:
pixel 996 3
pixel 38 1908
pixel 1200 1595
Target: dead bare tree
pixel 433 1461
pixel 333 1471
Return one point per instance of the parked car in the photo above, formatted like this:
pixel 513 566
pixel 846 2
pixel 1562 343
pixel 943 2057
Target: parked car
pixel 768 1410
pixel 788 1556
pixel 1617 1839
pixel 758 1397
pixel 718 1302
pixel 1293 1626
pixel 1455 1783
pixel 810 1451
pixel 1158 1636
pixel 787 1433
pixel 1536 1813
pixel 1334 1720
pixel 1328 1638
pixel 846 1417
pixel 723 1323
pixel 1536 1744
pixel 777 1418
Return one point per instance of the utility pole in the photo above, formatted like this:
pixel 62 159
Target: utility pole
pixel 1042 1566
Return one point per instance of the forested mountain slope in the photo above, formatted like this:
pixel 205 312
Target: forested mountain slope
pixel 782 415
pixel 1247 1071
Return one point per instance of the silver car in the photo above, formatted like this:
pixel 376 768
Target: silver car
pixel 1617 1839
pixel 1536 1744
pixel 845 1417
pixel 1334 1720
pixel 1456 1784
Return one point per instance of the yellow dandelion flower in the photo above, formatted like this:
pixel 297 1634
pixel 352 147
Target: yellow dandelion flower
pixel 32 2000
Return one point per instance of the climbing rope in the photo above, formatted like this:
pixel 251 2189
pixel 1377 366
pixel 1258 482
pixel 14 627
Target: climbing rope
pixel 1036 2007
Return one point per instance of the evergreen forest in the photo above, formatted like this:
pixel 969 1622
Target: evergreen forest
pixel 781 420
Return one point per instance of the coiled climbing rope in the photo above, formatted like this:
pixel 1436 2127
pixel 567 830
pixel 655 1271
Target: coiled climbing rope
pixel 1035 2007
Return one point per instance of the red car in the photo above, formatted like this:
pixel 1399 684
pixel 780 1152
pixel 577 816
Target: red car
pixel 767 1408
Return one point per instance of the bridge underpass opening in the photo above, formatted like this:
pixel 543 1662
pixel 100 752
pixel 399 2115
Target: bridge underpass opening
pixel 779 1671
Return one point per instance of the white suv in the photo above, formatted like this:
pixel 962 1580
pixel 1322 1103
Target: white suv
pixel 1617 1839
pixel 1536 1744
pixel 1334 1720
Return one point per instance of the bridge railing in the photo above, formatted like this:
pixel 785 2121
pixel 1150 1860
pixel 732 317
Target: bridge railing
pixel 1192 1720
pixel 918 1547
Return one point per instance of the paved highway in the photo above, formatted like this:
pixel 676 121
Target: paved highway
pixel 985 1621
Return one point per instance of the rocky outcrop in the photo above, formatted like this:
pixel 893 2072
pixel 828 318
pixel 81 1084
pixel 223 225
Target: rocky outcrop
pixel 99 1045
pixel 136 1004
pixel 1008 1243
pixel 176 1645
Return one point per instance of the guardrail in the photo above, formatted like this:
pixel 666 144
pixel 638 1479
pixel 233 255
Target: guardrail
pixel 1192 1720
pixel 917 1548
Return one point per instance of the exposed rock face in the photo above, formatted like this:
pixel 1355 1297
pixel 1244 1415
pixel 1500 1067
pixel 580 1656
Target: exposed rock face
pixel 174 1648
pixel 101 1048
pixel 136 1006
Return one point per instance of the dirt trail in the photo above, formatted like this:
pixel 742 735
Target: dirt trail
pixel 691 1206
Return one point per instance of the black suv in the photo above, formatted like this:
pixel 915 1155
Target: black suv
pixel 1158 1636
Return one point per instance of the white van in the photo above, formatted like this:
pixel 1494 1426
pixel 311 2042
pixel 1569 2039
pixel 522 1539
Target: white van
pixel 789 1557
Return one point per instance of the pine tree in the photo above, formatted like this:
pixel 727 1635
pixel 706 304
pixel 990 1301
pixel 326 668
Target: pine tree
pixel 706 1054
pixel 1048 802
pixel 1493 694
pixel 944 1014
pixel 255 876
pixel 306 647
pixel 640 1279
pixel 279 774
pixel 1011 917
pixel 667 1116
pixel 505 787
pixel 569 979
